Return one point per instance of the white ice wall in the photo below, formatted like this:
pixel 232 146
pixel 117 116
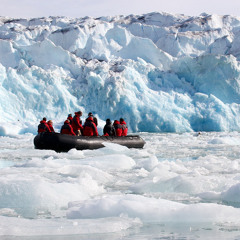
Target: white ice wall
pixel 161 72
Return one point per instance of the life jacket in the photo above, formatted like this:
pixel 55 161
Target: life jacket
pixel 70 119
pixel 43 127
pixel 51 127
pixel 89 128
pixel 67 129
pixel 118 128
pixel 124 128
pixel 76 123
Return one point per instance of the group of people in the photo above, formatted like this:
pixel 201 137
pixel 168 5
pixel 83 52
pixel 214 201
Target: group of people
pixel 45 126
pixel 118 128
pixel 73 126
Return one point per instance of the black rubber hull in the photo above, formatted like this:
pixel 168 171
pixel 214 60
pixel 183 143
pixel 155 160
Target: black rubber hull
pixel 63 143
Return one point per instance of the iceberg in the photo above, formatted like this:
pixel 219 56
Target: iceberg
pixel 161 72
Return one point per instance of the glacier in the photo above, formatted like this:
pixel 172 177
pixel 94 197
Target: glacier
pixel 161 72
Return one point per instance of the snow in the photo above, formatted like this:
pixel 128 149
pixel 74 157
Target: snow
pixel 160 72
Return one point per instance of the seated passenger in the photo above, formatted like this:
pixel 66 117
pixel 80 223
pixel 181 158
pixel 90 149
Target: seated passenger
pixel 77 123
pixel 94 119
pixel 118 128
pixel 124 127
pixel 50 124
pixel 67 128
pixel 89 128
pixel 108 129
pixel 70 118
pixel 43 126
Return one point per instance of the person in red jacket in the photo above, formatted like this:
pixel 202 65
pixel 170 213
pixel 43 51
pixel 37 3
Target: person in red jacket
pixel 118 128
pixel 124 127
pixel 67 128
pixel 89 128
pixel 43 126
pixel 50 124
pixel 94 118
pixel 77 123
pixel 70 118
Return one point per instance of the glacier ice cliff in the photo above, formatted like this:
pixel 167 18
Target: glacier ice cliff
pixel 161 72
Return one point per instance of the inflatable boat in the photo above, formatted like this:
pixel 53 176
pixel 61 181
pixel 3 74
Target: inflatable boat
pixel 63 142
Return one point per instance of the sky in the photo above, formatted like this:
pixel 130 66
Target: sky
pixel 98 8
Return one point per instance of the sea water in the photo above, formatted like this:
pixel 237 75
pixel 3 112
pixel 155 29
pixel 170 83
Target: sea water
pixel 179 186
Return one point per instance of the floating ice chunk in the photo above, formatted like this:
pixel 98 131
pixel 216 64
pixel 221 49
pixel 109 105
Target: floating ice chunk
pixel 148 163
pixel 232 195
pixel 8 212
pixel 115 147
pixel 210 196
pixel 75 153
pixel 172 185
pixel 115 205
pixel 110 161
pixel 225 140
pixel 29 194
pixel 150 209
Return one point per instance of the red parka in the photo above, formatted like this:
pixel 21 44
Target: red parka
pixel 67 128
pixel 89 128
pixel 124 128
pixel 43 127
pixel 50 126
pixel 118 128
pixel 76 122
pixel 70 118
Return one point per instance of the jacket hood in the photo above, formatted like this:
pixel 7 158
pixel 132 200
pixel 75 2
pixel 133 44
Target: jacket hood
pixel 89 119
pixel 116 122
pixel 78 113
